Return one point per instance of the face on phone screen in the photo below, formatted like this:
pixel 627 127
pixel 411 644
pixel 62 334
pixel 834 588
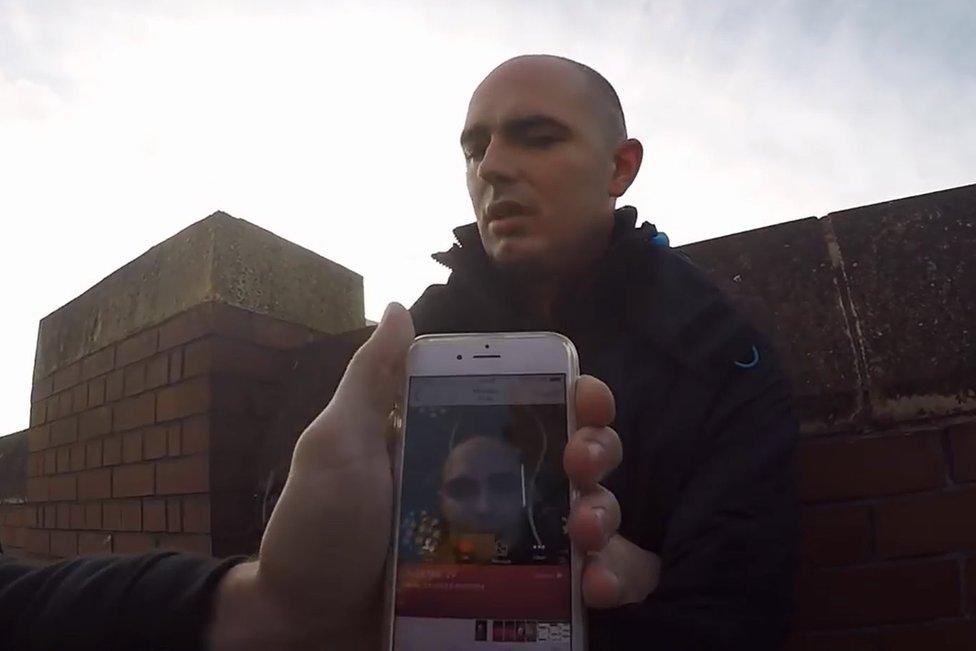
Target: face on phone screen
pixel 483 557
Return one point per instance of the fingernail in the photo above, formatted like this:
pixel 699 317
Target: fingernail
pixel 386 313
pixel 600 513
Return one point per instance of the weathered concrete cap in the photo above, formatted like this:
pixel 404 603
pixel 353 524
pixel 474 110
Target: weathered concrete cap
pixel 911 272
pixel 782 278
pixel 218 259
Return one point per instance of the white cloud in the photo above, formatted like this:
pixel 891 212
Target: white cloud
pixel 336 126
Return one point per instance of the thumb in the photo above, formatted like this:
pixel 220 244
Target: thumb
pixel 353 425
pixel 375 375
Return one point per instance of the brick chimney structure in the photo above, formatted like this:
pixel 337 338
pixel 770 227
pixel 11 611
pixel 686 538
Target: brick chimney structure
pixel 153 390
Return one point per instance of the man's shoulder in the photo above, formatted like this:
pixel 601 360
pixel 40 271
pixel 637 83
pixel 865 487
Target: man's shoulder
pixel 677 307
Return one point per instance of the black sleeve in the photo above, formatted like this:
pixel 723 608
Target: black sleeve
pixel 155 601
pixel 728 554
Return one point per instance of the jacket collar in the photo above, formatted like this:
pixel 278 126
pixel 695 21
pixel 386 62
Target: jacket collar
pixel 468 254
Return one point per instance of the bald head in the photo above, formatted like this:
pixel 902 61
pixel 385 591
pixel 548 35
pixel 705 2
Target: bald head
pixel 547 155
pixel 596 91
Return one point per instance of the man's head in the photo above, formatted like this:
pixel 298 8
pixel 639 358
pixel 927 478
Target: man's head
pixel 547 156
pixel 482 487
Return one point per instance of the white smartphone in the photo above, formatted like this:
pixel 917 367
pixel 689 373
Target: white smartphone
pixel 480 556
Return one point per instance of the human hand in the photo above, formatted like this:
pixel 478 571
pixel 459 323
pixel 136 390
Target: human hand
pixel 319 575
pixel 617 571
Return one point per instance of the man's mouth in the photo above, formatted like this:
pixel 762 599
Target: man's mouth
pixel 498 210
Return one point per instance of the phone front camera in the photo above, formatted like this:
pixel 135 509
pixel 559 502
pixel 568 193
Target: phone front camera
pixel 459 356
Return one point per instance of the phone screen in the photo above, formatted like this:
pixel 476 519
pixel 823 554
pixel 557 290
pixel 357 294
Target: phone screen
pixel 483 557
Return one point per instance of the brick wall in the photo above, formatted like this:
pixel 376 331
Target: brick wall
pixel 873 311
pixel 136 445
pixel 889 539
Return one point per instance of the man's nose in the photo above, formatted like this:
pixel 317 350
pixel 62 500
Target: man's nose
pixel 483 501
pixel 497 165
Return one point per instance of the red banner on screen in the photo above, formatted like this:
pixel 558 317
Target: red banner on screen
pixel 484 591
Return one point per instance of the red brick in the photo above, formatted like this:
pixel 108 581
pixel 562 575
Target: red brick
pixel 93 515
pixel 132 447
pixel 79 398
pixel 125 515
pixel 50 461
pixel 95 422
pixel 176 366
pixel 112 451
pixel 64 404
pixel 927 524
pixel 232 357
pixel 880 594
pixel 962 441
pixel 132 543
pixel 185 327
pixel 35 464
pixel 134 412
pixel 64 459
pixel 157 371
pixel 38 438
pixel 38 413
pixel 154 442
pixel 133 480
pixel 183 475
pixel 38 489
pixel 93 454
pixel 64 544
pixel 52 409
pixel 77 517
pixel 154 515
pixel 136 347
pixel 134 379
pixel 196 434
pixel 948 636
pixel 77 461
pixel 96 392
pixel 843 642
pixel 64 516
pixel 67 377
pixel 186 542
pixel 196 514
pixel 174 515
pixel 95 484
pixel 836 535
pixel 114 385
pixel 173 445
pixel 63 487
pixel 94 544
pixel 50 516
pixel 42 388
pixel 184 399
pixel 278 334
pixel 846 468
pixel 64 431
pixel 98 363
pixel 37 542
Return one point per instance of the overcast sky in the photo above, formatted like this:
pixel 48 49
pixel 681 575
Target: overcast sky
pixel 335 124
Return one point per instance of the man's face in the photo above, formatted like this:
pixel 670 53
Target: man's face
pixel 482 487
pixel 539 166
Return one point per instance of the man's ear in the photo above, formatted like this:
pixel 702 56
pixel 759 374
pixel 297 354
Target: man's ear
pixel 627 159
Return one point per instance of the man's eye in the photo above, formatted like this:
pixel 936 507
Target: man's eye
pixel 540 140
pixel 474 153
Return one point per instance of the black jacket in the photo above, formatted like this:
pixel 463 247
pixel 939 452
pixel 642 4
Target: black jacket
pixel 160 601
pixel 704 415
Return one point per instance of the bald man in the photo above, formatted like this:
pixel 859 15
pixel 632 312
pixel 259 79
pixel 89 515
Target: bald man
pixel 705 492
